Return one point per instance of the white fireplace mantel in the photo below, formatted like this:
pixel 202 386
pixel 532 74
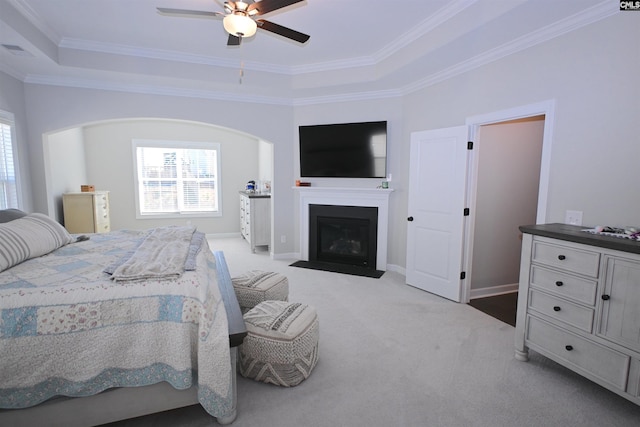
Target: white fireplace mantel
pixel 371 197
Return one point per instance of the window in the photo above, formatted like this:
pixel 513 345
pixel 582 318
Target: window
pixel 177 178
pixel 8 182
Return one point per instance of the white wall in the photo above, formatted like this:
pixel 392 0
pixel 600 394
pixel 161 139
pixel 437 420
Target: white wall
pixel 65 167
pixel 265 165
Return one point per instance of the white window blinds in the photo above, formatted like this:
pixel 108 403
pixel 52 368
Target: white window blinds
pixel 175 179
pixel 8 184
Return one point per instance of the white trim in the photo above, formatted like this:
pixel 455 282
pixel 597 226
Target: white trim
pixel 9 119
pixel 290 256
pixel 222 236
pixel 588 16
pixel 546 108
pixel 136 143
pixel 493 291
pixel 397 269
pixel 372 197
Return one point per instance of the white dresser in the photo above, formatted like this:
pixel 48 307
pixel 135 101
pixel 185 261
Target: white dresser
pixel 86 212
pixel 255 218
pixel 579 304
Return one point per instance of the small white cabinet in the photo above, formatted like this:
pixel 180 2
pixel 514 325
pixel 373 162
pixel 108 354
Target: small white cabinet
pixel 579 304
pixel 87 212
pixel 255 218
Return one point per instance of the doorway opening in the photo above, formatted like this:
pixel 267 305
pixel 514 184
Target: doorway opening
pixel 507 184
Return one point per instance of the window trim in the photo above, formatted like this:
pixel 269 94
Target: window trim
pixel 135 143
pixel 8 119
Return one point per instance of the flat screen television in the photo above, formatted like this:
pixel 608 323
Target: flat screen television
pixel 345 150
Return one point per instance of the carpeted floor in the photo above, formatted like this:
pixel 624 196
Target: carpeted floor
pixel 392 355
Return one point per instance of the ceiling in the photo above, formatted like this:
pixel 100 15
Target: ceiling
pixel 358 49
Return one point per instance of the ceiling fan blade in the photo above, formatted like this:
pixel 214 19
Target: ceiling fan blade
pixel 233 40
pixel 283 31
pixel 188 13
pixel 266 6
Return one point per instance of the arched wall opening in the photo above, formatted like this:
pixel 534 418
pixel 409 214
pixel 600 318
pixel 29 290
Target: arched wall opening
pixel 100 153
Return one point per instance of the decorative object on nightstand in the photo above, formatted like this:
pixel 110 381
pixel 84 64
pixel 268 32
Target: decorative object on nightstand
pixel 86 212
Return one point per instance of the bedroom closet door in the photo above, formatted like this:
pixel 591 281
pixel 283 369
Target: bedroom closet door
pixel 435 223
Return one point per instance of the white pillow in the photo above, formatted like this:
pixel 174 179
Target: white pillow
pixel 28 237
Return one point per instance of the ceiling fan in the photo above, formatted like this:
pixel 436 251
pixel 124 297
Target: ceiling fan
pixel 239 19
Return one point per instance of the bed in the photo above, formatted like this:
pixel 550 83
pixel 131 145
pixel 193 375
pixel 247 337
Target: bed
pixel 104 327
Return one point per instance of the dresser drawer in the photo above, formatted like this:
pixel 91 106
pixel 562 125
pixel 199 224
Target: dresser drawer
pixel 565 285
pixel 607 365
pixel 572 314
pixel 566 258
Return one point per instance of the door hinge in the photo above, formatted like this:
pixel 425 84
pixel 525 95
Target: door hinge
pixel 470 145
pixel 463 275
pixel 466 212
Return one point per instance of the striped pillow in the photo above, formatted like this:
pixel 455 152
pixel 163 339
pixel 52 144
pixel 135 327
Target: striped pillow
pixel 29 237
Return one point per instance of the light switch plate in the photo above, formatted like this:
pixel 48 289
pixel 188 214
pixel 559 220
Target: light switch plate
pixel 573 218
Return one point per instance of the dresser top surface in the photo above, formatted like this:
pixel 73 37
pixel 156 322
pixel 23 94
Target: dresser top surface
pixel 575 233
pixel 255 195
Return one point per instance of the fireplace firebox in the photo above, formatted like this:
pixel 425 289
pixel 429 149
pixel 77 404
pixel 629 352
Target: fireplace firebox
pixel 343 235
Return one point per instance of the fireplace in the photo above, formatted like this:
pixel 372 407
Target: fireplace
pixel 347 197
pixel 343 235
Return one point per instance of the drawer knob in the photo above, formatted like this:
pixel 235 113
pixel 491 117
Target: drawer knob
pixel 562 257
pixel 568 347
pixel 556 308
pixel 606 297
pixel 559 283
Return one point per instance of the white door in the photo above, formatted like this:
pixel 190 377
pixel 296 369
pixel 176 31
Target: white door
pixel 437 195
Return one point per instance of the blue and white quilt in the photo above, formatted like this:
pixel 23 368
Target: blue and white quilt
pixel 67 329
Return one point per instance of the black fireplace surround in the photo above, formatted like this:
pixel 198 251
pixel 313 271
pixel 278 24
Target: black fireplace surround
pixel 343 235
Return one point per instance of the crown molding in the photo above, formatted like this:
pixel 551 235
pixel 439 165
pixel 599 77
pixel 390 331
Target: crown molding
pixel 348 97
pixel 167 55
pixel 440 17
pixel 154 90
pixel 559 28
pixel 404 40
pixel 586 17
pixel 434 21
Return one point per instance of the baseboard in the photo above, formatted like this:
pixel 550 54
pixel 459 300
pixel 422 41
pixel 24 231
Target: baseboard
pixel 493 291
pixel 222 235
pixel 397 269
pixel 287 256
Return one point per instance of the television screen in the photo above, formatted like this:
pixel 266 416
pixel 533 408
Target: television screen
pixel 346 150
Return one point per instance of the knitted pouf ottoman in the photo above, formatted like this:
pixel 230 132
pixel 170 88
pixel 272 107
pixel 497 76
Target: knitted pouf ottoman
pixel 256 286
pixel 281 346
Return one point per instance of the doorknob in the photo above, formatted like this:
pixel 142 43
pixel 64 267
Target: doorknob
pixel 410 219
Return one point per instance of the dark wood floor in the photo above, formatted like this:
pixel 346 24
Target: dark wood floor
pixel 502 307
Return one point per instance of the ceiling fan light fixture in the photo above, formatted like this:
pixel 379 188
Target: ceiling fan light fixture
pixel 239 25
